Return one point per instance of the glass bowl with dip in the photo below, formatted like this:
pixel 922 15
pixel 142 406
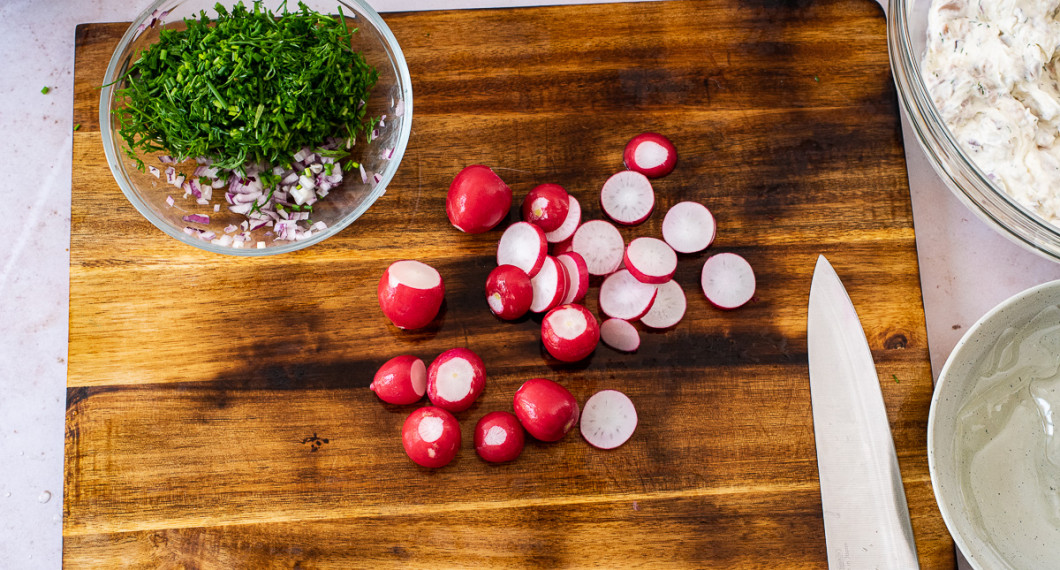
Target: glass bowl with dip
pixel 281 196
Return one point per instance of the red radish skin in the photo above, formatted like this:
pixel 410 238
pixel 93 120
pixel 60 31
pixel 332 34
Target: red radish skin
pixel 547 410
pixel 455 379
pixel 669 307
pixel 410 293
pixel 577 275
pixel 401 380
pixel 601 246
pixel 477 200
pixel 609 419
pixel 550 286
pixel 622 296
pixel 431 437
pixel 523 245
pixel 650 260
pixel 564 246
pixel 650 154
pixel 569 225
pixel 620 335
pixel 499 437
pixel 689 227
pixel 570 333
pixel 546 206
pixel 509 292
pixel 627 197
pixel 728 280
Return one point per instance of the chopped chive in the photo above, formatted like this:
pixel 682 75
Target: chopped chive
pixel 45 89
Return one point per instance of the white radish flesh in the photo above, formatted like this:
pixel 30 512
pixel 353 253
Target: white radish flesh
pixel 577 276
pixel 627 197
pixel 601 245
pixel 689 227
pixel 522 245
pixel 608 420
pixel 620 334
pixel 650 260
pixel 668 308
pixel 622 296
pixel 728 280
pixel 570 224
pixel 550 286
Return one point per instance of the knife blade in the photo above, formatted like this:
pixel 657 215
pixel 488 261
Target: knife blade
pixel 866 519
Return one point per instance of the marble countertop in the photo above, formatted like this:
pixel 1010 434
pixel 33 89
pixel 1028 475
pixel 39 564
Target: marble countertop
pixel 966 267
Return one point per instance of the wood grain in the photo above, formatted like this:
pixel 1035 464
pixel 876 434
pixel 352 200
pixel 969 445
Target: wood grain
pixel 197 381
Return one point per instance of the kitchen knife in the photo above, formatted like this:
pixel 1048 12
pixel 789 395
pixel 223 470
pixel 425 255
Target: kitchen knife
pixel 866 519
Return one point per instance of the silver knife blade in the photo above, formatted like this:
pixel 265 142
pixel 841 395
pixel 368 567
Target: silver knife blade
pixel 866 519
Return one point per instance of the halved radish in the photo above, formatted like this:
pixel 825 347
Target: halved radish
pixel 668 308
pixel 728 280
pixel 627 197
pixel 410 293
pixel 570 223
pixel 546 206
pixel 401 380
pixel 522 245
pixel 477 200
pixel 550 286
pixel 601 245
pixel 499 437
pixel 509 292
pixel 620 334
pixel 577 274
pixel 455 379
pixel 570 332
pixel 431 437
pixel 622 296
pixel 609 419
pixel 651 154
pixel 689 227
pixel 650 260
pixel 547 410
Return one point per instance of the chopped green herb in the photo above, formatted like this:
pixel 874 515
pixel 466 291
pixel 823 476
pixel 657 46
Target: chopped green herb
pixel 895 376
pixel 77 126
pixel 45 89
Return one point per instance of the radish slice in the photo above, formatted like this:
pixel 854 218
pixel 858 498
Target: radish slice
pixel 627 197
pixel 577 276
pixel 623 297
pixel 522 245
pixel 620 334
pixel 550 286
pixel 650 260
pixel 651 154
pixel 600 244
pixel 563 246
pixel 668 308
pixel 727 280
pixel 570 223
pixel 608 420
pixel 689 227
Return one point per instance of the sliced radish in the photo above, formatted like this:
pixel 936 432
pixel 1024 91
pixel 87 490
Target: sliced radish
pixel 650 260
pixel 622 296
pixel 410 293
pixel 455 379
pixel 609 419
pixel 522 245
pixel 499 437
pixel 689 227
pixel 668 308
pixel 651 154
pixel 569 225
pixel 509 292
pixel 547 410
pixel 577 275
pixel 477 199
pixel 601 245
pixel 620 334
pixel 570 332
pixel 728 280
pixel 431 437
pixel 401 380
pixel 563 246
pixel 627 197
pixel 550 286
pixel 546 206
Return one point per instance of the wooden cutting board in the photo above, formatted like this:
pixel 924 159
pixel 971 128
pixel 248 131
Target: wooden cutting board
pixel 218 414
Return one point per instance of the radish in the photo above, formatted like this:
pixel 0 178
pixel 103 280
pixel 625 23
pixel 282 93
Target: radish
pixel 563 246
pixel 727 280
pixel 401 380
pixel 509 292
pixel 623 297
pixel 550 286
pixel 547 410
pixel 410 293
pixel 650 260
pixel 499 437
pixel 627 197
pixel 570 332
pixel 651 154
pixel 578 276
pixel 431 437
pixel 689 227
pixel 477 200
pixel 620 334
pixel 546 206
pixel 569 225
pixel 601 245
pixel 668 308
pixel 455 379
pixel 523 245
pixel 609 419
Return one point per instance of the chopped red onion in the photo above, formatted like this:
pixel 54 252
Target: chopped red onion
pixel 197 219
pixel 170 201
pixel 154 171
pixel 364 176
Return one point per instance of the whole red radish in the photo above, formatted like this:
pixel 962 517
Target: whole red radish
pixel 499 437
pixel 401 380
pixel 477 200
pixel 509 292
pixel 570 332
pixel 455 379
pixel 410 293
pixel 431 437
pixel 546 206
pixel 651 154
pixel 547 410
